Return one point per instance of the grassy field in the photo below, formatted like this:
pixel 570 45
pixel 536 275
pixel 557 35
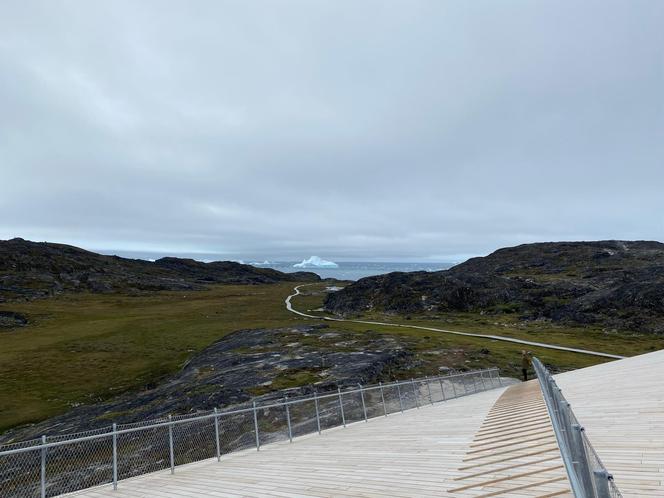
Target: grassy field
pixel 84 348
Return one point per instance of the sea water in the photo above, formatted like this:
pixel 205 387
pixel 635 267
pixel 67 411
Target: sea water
pixel 348 270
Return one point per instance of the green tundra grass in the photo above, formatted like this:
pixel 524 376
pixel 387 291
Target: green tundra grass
pixel 81 348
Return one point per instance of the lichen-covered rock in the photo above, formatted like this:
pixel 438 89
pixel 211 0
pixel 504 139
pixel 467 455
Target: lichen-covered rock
pixel 611 283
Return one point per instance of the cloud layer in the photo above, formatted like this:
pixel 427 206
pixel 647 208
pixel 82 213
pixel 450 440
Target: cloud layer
pixel 373 129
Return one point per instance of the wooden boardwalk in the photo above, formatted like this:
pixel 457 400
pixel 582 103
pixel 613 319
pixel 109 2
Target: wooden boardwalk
pixel 621 405
pixel 417 453
pixel 515 451
pixel 495 443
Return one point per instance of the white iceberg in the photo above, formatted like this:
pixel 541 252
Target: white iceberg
pixel 316 262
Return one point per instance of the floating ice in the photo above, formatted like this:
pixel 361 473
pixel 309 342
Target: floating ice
pixel 316 262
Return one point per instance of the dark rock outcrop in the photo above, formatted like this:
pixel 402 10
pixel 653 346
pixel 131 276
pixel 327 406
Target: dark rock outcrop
pixel 11 319
pixel 31 270
pixel 615 284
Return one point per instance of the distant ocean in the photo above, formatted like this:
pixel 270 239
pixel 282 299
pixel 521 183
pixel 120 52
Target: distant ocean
pixel 348 270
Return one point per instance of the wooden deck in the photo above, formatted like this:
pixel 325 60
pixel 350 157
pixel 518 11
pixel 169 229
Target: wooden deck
pixel 621 405
pixel 417 453
pixel 515 451
pixel 495 443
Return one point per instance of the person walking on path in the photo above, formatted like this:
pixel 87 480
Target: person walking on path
pixel 525 364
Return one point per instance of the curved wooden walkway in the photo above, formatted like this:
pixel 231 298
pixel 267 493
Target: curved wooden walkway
pixel 414 454
pixel 495 443
pixel 515 451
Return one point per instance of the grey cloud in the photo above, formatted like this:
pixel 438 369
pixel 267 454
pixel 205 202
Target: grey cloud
pixel 398 130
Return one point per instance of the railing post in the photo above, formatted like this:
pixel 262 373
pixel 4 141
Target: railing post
pixel 417 401
pixel 258 441
pixel 453 387
pixel 341 405
pixel 290 430
pixel 602 478
pixel 382 396
pixel 464 383
pixel 216 434
pixel 580 460
pixel 490 374
pixel 364 407
pixel 317 412
pixel 585 479
pixel 483 381
pixel 115 456
pixel 426 378
pixel 42 477
pixel 442 388
pixel 170 443
pixel 500 381
pixel 399 392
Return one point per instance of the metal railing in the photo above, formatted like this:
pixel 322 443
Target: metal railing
pixel 56 465
pixel 587 475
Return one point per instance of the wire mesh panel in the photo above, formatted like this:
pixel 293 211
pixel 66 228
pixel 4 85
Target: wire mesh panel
pixel 493 380
pixel 194 440
pixel 79 465
pixel 303 418
pixel 426 392
pixel 436 393
pixel 330 413
pixel 374 402
pixel 409 393
pixel 449 388
pixel 391 396
pixel 20 472
pixel 236 431
pixel 353 406
pixel 471 383
pixel 272 424
pixel 143 451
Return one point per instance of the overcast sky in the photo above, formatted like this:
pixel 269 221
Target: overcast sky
pixel 348 129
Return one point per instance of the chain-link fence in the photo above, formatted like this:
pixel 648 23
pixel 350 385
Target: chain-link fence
pixel 587 475
pixel 52 466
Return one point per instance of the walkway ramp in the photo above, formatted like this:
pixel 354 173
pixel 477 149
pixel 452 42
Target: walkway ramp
pixel 415 453
pixel 621 406
pixel 515 452
pixel 493 443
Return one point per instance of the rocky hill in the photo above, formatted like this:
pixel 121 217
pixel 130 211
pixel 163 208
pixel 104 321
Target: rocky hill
pixel 31 270
pixel 615 284
pixel 248 364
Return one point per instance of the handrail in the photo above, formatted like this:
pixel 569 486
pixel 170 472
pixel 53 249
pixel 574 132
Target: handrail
pixel 587 475
pixel 80 453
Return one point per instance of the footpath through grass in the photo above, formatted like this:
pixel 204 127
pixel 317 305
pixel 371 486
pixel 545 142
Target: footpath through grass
pixel 502 354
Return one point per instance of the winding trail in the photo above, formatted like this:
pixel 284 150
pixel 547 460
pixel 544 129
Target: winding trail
pixel 289 307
